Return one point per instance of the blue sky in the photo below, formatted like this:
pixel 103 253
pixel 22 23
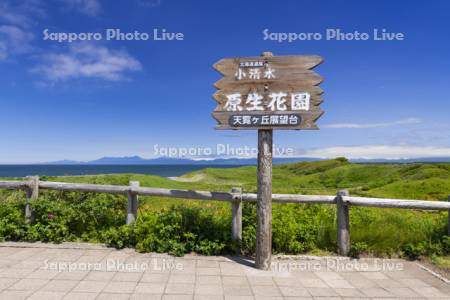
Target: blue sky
pixel 84 100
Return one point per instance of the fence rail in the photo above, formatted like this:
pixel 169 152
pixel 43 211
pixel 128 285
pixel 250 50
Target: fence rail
pixel 342 200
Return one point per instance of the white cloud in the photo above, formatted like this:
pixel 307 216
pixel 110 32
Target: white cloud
pixel 87 61
pixel 14 40
pixel 21 13
pixel 373 125
pixel 87 7
pixel 379 151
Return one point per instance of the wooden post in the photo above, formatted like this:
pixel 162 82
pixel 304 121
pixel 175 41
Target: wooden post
pixel 236 215
pixel 448 224
pixel 32 193
pixel 264 200
pixel 132 204
pixel 343 224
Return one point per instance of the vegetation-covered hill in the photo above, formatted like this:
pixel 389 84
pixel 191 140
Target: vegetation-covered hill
pixel 181 226
pixel 411 181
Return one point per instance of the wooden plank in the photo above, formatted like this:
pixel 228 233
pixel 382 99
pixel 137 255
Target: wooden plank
pixel 314 108
pixel 287 86
pixel 32 194
pixel 397 203
pixel 307 81
pixel 236 215
pixel 14 184
pixel 221 96
pixel 308 119
pixel 228 66
pixel 343 224
pixel 84 187
pixel 264 203
pixel 249 197
pixel 132 206
pixel 305 77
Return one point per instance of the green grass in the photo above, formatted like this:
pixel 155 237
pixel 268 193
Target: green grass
pixel 297 228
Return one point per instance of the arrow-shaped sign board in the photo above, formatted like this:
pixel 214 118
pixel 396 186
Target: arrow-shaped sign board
pixel 275 92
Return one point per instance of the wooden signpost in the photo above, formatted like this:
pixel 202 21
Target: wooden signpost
pixel 265 93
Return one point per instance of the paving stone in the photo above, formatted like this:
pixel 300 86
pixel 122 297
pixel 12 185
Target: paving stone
pixel 363 283
pixel 338 283
pixel 265 290
pixel 107 296
pixel 180 288
pixel 204 278
pixel 7 282
pixel 208 289
pixel 42 274
pixel 14 295
pixel 181 278
pixel 127 276
pixel 322 292
pixel 207 279
pixel 145 297
pixel 28 284
pixel 403 292
pixel 208 271
pixel 287 281
pixel 234 280
pixel 413 282
pixel 374 275
pixel 237 290
pixel 177 297
pixel 292 291
pixel 100 276
pixel 75 275
pixel 90 286
pixel 259 280
pixel 376 292
pixel 80 296
pixel 430 292
pixel 47 295
pixel 349 292
pixel 313 283
pixel 15 273
pixel 59 285
pixel 120 287
pixel 155 277
pixel 268 298
pixel 328 275
pixel 208 297
pixel 150 288
pixel 207 263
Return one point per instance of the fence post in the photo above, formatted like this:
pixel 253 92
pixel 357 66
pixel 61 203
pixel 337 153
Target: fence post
pixel 32 193
pixel 132 203
pixel 343 223
pixel 448 224
pixel 236 215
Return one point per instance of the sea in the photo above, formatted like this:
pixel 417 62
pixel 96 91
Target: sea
pixel 70 170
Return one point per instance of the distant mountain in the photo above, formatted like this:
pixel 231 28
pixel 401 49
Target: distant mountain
pixel 64 162
pixel 137 160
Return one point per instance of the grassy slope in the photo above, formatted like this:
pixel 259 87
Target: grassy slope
pixel 381 229
pixel 410 181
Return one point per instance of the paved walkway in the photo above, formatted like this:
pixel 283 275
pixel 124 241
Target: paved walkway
pixel 83 271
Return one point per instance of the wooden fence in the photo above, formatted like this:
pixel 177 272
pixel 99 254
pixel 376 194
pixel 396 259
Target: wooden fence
pixel 342 200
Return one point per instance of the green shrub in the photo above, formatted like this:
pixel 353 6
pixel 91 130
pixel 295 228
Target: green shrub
pixel 356 249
